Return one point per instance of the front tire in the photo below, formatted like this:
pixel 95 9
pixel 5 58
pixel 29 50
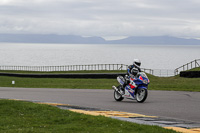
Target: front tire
pixel 141 95
pixel 117 96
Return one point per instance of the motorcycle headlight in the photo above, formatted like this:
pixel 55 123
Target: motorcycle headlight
pixel 145 81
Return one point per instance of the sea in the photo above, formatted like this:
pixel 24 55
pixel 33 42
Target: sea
pixel 151 56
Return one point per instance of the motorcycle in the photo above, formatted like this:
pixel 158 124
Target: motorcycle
pixel 135 90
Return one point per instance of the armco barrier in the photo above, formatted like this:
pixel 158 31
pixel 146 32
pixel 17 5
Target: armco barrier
pixel 190 74
pixel 84 75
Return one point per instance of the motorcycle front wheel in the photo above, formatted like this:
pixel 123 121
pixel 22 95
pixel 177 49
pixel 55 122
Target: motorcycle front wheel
pixel 141 95
pixel 117 96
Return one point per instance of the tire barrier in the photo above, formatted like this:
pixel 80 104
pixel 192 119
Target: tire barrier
pixel 84 75
pixel 190 74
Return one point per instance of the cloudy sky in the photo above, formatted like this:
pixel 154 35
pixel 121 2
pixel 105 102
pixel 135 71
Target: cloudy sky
pixel 106 18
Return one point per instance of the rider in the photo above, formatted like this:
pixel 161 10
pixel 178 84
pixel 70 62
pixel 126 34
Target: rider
pixel 136 64
pixel 132 71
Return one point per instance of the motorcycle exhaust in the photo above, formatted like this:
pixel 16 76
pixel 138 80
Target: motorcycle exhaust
pixel 115 88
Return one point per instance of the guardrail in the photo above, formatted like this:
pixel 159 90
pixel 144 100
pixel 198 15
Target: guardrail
pixel 67 75
pixel 188 66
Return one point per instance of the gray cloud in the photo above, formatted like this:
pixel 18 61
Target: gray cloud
pixel 101 17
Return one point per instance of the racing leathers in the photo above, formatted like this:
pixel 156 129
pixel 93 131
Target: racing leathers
pixel 131 74
pixel 130 67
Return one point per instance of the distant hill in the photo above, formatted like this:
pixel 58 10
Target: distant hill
pixel 156 40
pixel 49 38
pixel 74 39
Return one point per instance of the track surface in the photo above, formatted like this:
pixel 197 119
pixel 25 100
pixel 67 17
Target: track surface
pixel 171 104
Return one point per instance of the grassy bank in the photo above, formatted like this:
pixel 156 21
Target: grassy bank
pixel 18 116
pixel 195 69
pixel 175 83
pixel 156 83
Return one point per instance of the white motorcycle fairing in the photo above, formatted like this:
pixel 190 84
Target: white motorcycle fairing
pixel 135 89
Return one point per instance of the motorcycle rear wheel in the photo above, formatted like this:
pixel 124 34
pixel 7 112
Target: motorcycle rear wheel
pixel 141 95
pixel 117 96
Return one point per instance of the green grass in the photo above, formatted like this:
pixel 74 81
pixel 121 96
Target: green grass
pixel 18 116
pixel 195 69
pixel 6 81
pixel 175 83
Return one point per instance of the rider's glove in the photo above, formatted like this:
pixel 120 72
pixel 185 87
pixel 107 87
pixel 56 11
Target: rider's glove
pixel 126 77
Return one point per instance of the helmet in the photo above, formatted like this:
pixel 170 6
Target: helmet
pixel 136 62
pixel 134 71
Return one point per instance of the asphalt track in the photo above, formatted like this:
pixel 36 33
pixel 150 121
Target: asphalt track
pixel 170 104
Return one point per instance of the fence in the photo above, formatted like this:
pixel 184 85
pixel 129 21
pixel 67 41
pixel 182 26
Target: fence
pixel 67 67
pixel 188 66
pixel 163 72
pixel 72 68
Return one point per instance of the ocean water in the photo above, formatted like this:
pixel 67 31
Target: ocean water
pixel 151 56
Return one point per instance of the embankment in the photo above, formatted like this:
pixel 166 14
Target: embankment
pixel 71 75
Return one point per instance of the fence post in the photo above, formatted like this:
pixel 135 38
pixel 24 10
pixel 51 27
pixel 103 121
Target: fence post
pixel 195 63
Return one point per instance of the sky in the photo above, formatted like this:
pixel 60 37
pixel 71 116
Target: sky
pixel 106 18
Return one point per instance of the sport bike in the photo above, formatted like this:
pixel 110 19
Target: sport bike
pixel 136 89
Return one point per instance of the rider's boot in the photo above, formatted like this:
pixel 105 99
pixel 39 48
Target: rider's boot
pixel 122 91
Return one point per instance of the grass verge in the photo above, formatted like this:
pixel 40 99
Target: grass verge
pixel 19 116
pixel 6 81
pixel 175 83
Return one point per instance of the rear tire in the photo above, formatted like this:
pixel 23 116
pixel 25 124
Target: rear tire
pixel 141 95
pixel 117 96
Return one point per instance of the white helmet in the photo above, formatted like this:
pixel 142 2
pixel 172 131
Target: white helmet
pixel 136 62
